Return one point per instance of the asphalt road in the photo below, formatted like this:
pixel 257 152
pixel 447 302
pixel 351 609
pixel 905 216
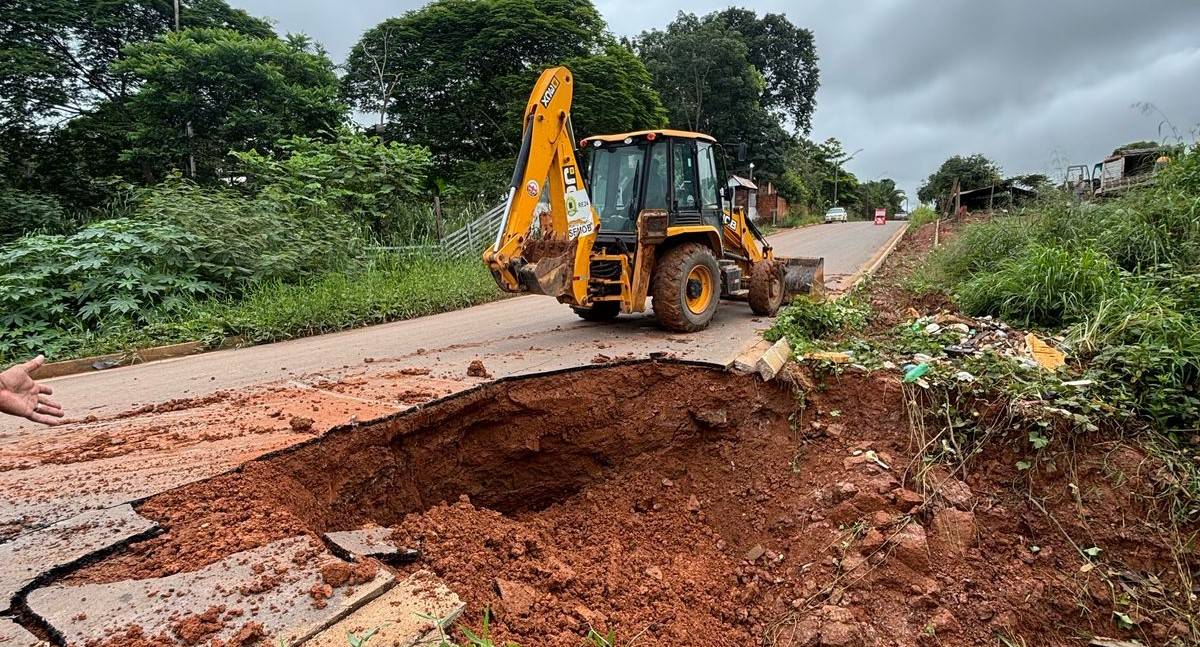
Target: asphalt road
pixel 513 336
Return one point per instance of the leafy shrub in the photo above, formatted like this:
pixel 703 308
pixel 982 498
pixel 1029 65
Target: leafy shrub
pixel 805 320
pixel 251 239
pixel 52 286
pixel 182 242
pixel 22 212
pixel 350 174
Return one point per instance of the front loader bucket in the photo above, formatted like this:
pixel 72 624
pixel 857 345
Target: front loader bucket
pixel 803 276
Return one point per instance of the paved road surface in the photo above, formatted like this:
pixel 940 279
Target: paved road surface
pixel 501 332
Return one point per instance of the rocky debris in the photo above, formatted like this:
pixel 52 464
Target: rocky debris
pixel 301 425
pixel 32 555
pixel 712 418
pixel 14 635
pixel 952 532
pixel 948 489
pixel 909 547
pixel 754 553
pixel 838 628
pixel 907 500
pixel 400 616
pixel 272 586
pixel 518 598
pixel 477 369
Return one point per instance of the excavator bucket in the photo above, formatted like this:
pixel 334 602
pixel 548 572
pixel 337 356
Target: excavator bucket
pixel 803 276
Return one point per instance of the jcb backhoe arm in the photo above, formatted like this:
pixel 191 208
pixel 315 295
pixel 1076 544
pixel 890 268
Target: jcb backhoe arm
pixel 552 254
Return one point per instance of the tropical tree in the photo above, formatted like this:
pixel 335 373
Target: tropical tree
pixel 455 74
pixel 58 55
pixel 785 55
pixel 235 92
pixel 738 78
pixel 971 172
pixel 880 194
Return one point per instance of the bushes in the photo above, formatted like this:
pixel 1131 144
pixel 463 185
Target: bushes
pixel 1123 276
pixel 806 320
pixel 22 212
pixel 351 175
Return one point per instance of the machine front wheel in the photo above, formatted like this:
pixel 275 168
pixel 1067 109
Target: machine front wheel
pixel 766 288
pixel 686 288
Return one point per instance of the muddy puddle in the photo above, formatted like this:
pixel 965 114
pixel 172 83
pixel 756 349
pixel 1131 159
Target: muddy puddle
pixel 674 505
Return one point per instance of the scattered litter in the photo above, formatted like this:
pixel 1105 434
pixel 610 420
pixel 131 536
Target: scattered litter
pixel 932 329
pixel 1045 355
pixel 963 376
pixel 874 458
pixel 915 373
pixel 829 356
pixel 1079 383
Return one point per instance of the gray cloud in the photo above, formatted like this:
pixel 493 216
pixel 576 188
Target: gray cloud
pixel 1032 84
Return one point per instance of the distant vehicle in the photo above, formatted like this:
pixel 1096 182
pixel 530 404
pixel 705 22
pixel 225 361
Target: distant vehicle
pixel 836 214
pixel 1124 169
pixel 900 215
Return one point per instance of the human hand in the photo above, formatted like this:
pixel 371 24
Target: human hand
pixel 21 396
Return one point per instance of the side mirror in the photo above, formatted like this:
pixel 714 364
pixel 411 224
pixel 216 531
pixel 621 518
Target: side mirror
pixel 727 193
pixel 741 155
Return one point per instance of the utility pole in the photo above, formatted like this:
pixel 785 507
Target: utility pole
pixel 837 173
pixel 191 157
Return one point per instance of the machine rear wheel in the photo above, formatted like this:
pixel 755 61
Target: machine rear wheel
pixel 599 311
pixel 686 288
pixel 766 288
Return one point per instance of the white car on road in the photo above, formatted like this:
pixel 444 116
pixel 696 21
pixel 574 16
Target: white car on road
pixel 836 214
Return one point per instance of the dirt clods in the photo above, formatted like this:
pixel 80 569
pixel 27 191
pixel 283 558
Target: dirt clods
pixel 477 369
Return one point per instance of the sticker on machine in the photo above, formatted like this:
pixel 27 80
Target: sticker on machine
pixel 578 201
pixel 577 228
pixel 532 188
pixel 579 214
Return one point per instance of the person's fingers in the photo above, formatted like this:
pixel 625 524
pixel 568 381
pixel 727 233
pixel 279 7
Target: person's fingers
pixel 44 388
pixel 34 364
pixel 46 400
pixel 44 419
pixel 50 410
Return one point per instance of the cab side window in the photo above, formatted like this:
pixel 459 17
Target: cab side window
pixel 708 178
pixel 685 174
pixel 656 179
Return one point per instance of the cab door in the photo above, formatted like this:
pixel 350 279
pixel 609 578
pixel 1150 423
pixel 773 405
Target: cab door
pixel 710 187
pixel 685 184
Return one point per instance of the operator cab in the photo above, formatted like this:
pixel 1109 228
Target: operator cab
pixel 672 170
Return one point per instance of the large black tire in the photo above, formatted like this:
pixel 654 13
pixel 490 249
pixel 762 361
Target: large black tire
pixel 686 288
pixel 766 288
pixel 599 311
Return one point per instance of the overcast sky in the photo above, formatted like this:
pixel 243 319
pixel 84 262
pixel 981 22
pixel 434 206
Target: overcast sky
pixel 1032 84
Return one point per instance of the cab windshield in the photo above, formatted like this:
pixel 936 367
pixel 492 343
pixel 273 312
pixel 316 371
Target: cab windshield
pixel 616 179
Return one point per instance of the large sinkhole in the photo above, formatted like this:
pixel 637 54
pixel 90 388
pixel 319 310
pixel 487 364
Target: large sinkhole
pixel 513 446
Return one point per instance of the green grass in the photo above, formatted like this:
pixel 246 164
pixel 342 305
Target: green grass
pixel 1119 279
pixel 384 290
pixel 922 215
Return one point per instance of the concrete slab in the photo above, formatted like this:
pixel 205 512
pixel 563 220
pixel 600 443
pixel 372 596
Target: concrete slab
pixel 35 554
pixel 365 542
pixel 405 616
pixel 283 591
pixel 14 635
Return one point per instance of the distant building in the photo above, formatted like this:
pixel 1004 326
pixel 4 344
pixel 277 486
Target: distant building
pixel 745 195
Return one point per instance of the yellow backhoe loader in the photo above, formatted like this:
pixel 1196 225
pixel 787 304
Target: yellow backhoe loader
pixel 656 223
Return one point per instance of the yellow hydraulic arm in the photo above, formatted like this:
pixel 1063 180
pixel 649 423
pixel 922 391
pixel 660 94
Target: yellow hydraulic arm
pixel 555 258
